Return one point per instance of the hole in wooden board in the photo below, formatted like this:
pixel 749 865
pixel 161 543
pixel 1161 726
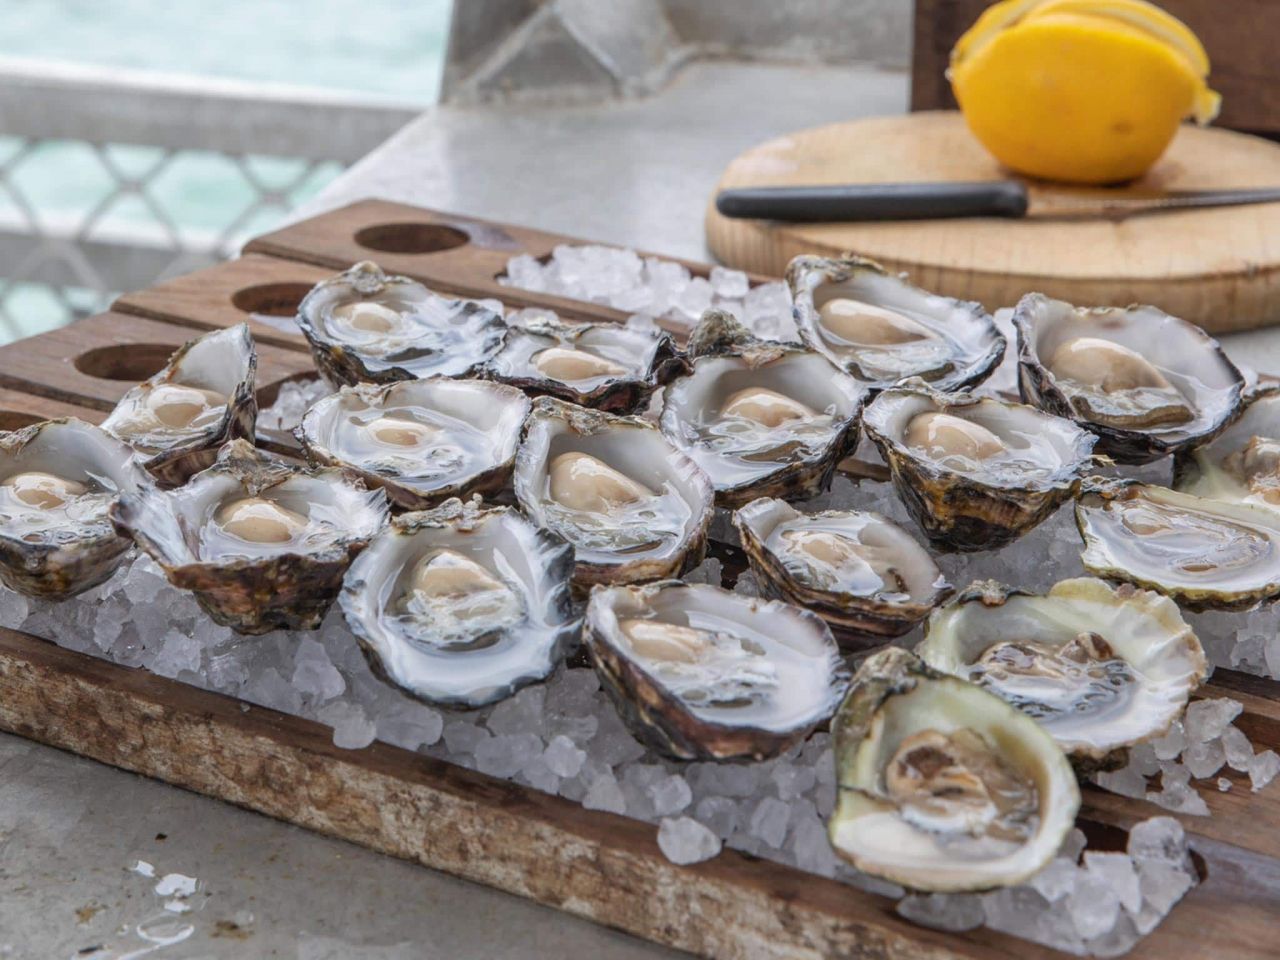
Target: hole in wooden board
pixel 16 420
pixel 410 237
pixel 271 299
pixel 131 362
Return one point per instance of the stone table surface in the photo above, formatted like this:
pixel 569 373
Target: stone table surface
pixel 71 830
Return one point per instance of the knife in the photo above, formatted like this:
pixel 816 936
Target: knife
pixel 934 201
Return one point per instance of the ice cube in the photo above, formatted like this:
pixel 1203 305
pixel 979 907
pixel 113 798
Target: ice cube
pixel 521 713
pixel 1238 749
pixel 463 736
pixel 563 758
pixel 1158 839
pixel 769 821
pixel 719 814
pixel 943 911
pixel 793 781
pixel 605 794
pixel 1117 871
pixel 1163 883
pixel 684 840
pixel 1171 744
pixel 1263 769
pixel 410 725
pixel 669 795
pixel 729 283
pixel 1204 759
pixel 1056 880
pixel 1206 719
pixel 352 729
pixel 504 754
pixel 314 674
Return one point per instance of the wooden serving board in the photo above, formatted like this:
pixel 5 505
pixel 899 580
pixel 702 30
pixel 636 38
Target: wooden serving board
pixel 1219 267
pixel 593 864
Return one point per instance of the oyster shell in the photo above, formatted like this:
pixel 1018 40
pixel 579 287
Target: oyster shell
pixel 859 571
pixel 422 441
pixel 176 421
pixel 699 672
pixel 1100 667
pixel 461 605
pixel 1206 554
pixel 883 330
pixel 942 785
pixel 262 545
pixel 602 365
pixel 633 506
pixel 1146 383
pixel 760 417
pixel 1242 463
pixel 58 480
pixel 975 472
pixel 366 326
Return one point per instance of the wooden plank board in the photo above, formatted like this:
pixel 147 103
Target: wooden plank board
pixel 1217 267
pixel 19 409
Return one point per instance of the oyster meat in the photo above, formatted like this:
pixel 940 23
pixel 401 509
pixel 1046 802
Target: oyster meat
pixel 943 785
pixel 1206 554
pixel 760 417
pixel 423 441
pixel 860 572
pixel 177 420
pixel 58 480
pixel 1146 383
pixel 1242 463
pixel 633 506
pixel 462 605
pixel 366 326
pixel 975 472
pixel 883 330
pixel 602 365
pixel 1100 667
pixel 261 544
pixel 702 673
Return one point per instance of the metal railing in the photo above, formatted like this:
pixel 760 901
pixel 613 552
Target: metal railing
pixel 83 254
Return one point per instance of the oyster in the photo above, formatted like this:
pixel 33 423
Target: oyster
pixel 860 572
pixel 58 479
pixel 883 330
pixel 634 507
pixel 942 785
pixel 462 605
pixel 1206 554
pixel 760 417
pixel 1101 668
pixel 422 441
pixel 261 544
pixel 1242 463
pixel 177 420
pixel 699 672
pixel 976 473
pixel 364 325
pixel 602 365
pixel 1146 383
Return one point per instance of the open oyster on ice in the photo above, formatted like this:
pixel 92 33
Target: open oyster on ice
pixel 699 672
pixel 177 420
pixel 364 325
pixel 1206 554
pixel 882 329
pixel 633 506
pixel 1100 667
pixel 943 785
pixel 975 472
pixel 262 545
pixel 1242 463
pixel 461 605
pixel 602 365
pixel 422 441
pixel 859 571
pixel 1146 383
pixel 760 417
pixel 58 480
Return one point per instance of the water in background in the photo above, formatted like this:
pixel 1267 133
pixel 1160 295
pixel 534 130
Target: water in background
pixel 377 47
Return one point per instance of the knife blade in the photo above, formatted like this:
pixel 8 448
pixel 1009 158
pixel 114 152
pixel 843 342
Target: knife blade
pixel 844 203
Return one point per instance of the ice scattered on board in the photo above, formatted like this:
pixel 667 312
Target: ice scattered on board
pixel 685 840
pixel 176 885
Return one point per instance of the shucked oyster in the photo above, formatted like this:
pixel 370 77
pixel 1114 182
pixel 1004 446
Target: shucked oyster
pixel 1206 554
pixel 634 507
pixel 760 417
pixel 860 572
pixel 976 473
pixel 1100 667
pixel 461 605
pixel 702 673
pixel 602 365
pixel 1242 463
pixel 58 480
pixel 943 785
pixel 261 544
pixel 177 420
pixel 363 325
pixel 1146 383
pixel 422 441
pixel 883 330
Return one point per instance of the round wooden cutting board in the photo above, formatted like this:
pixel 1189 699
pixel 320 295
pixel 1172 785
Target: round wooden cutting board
pixel 1218 267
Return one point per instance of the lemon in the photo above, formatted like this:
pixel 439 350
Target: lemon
pixel 1084 91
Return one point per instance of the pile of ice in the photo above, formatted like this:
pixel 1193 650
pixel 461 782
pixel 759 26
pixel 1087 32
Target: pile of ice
pixel 293 399
pixel 650 286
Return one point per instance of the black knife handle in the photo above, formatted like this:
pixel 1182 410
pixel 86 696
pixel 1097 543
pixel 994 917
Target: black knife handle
pixel 875 201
